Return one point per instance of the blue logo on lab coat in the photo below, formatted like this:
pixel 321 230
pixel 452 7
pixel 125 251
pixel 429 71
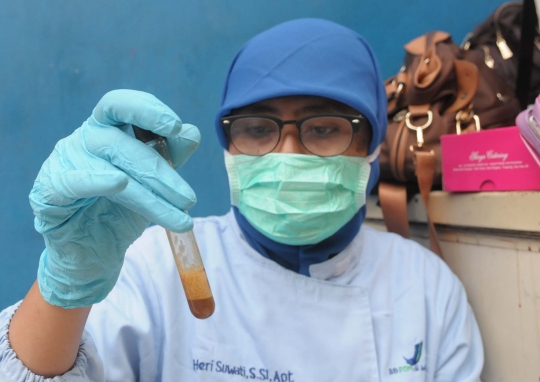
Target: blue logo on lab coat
pixel 417 354
pixel 413 364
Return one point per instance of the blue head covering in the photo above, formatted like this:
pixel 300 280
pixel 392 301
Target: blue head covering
pixel 316 58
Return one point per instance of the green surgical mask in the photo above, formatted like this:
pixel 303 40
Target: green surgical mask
pixel 298 199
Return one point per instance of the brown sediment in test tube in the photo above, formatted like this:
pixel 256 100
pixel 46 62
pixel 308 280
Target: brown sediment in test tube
pixel 198 293
pixel 202 308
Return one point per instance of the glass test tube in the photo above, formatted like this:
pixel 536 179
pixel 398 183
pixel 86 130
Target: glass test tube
pixel 184 247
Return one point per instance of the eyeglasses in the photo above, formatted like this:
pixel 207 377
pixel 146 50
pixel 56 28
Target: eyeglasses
pixel 322 135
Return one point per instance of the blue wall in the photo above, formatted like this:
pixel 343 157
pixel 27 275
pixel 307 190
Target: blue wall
pixel 59 57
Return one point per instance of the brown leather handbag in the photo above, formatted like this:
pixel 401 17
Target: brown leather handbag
pixel 441 89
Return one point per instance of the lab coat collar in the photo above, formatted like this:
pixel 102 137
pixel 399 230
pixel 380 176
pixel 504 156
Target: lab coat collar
pixel 335 267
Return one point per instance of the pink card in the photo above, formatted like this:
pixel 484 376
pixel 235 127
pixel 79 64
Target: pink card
pixel 490 160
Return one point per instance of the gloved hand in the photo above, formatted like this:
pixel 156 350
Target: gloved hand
pixel 99 190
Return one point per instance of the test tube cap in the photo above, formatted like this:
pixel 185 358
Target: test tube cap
pixel 144 135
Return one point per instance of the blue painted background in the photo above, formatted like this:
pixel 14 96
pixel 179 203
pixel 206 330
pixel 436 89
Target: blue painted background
pixel 57 58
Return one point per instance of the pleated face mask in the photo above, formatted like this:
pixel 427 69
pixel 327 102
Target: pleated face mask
pixel 298 199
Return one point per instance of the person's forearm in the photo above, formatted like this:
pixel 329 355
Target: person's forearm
pixel 46 337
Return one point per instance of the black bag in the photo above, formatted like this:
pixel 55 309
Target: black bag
pixel 499 39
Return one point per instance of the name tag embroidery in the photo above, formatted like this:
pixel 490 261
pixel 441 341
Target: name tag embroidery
pixel 253 373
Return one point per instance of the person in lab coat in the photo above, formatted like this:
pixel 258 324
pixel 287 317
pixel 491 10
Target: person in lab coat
pixel 303 290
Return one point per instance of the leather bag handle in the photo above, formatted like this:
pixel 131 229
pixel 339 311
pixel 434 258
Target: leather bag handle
pixel 467 80
pixel 393 199
pixel 425 170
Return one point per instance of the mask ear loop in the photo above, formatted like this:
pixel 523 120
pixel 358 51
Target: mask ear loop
pixel 232 175
pixel 360 193
pixel 374 155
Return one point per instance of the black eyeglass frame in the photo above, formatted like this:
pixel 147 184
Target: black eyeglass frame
pixel 356 122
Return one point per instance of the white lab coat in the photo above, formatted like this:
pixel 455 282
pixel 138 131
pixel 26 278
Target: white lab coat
pixel 385 309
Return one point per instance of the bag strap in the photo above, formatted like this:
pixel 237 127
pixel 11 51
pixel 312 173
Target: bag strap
pixel 529 23
pixel 425 170
pixel 393 199
pixel 424 161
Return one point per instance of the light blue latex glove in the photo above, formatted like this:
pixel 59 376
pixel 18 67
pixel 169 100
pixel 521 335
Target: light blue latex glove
pixel 99 190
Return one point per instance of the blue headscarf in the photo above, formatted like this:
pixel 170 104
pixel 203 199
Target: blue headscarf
pixel 310 57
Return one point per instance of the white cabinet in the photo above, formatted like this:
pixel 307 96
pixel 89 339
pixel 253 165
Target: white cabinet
pixel 492 242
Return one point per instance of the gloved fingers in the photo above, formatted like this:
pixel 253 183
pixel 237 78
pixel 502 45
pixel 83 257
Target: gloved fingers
pixel 182 146
pixel 153 208
pixel 123 106
pixel 78 184
pixel 140 162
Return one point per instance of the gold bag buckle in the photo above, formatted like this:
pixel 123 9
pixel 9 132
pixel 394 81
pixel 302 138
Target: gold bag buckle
pixel 419 129
pixel 466 117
